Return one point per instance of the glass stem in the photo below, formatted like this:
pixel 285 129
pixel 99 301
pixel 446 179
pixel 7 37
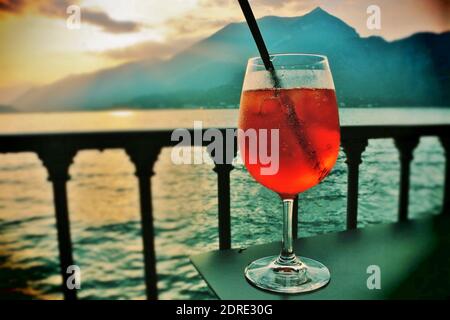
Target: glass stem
pixel 287 255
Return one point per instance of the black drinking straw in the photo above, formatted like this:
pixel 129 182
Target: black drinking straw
pixel 251 21
pixel 254 29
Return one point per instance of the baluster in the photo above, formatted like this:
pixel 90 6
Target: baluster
pixel 144 156
pixel 223 193
pixel 57 158
pixel 406 147
pixel 445 141
pixel 353 150
pixel 223 166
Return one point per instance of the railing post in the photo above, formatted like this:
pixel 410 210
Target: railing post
pixel 445 141
pixel 223 167
pixel 353 150
pixel 144 155
pixel 406 147
pixel 57 158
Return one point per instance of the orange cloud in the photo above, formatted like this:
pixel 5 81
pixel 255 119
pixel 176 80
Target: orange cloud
pixel 14 6
pixel 57 9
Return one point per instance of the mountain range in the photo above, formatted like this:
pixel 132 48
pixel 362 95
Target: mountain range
pixel 367 71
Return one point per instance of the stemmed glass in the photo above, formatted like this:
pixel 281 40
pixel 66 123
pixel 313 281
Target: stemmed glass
pixel 290 117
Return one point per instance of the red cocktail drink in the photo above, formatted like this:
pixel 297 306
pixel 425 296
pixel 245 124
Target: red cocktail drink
pixel 289 141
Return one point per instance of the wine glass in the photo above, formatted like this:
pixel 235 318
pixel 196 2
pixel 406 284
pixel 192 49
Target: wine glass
pixel 290 116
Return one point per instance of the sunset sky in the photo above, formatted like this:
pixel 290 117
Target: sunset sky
pixel 37 47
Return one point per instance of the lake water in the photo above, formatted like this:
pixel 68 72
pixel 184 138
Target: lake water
pixel 103 203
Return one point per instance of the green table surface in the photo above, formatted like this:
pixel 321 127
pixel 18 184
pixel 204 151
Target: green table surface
pixel 413 257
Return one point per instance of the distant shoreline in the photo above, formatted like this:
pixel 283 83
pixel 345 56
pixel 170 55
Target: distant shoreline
pixel 10 109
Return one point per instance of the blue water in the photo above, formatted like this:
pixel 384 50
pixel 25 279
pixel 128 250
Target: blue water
pixel 103 203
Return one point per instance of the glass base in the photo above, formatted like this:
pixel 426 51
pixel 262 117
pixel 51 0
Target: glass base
pixel 301 275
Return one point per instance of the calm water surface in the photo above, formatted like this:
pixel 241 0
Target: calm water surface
pixel 103 200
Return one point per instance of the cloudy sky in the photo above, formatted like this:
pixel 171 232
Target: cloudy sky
pixel 38 47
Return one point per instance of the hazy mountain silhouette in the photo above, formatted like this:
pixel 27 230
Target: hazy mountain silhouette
pixel 366 71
